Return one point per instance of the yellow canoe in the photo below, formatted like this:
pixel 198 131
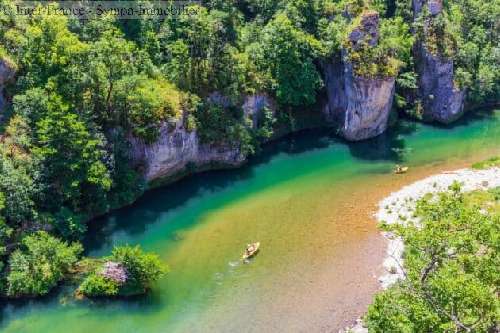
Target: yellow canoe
pixel 251 251
pixel 400 170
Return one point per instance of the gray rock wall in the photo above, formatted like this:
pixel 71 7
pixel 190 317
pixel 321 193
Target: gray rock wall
pixel 442 100
pixel 177 149
pixel 358 106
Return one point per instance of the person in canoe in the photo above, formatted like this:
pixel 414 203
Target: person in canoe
pixel 250 251
pixel 400 169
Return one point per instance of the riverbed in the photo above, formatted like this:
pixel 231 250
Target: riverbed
pixel 309 199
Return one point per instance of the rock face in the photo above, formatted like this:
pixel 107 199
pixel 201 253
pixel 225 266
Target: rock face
pixel 178 150
pixel 7 72
pixel 442 101
pixel 367 31
pixel 358 106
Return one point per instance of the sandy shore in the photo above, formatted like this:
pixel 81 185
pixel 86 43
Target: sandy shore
pixel 399 207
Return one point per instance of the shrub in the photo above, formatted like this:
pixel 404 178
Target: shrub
pixel 128 271
pixel 40 264
pixel 142 268
pixel 97 285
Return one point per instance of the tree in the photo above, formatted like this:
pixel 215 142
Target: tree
pixel 40 264
pixel 281 51
pixel 128 271
pixel 451 270
pixel 145 104
pixel 73 170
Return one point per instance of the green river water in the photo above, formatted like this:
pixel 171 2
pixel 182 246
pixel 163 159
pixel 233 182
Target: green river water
pixel 307 198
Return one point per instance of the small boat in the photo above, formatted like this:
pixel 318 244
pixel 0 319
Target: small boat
pixel 250 251
pixel 400 169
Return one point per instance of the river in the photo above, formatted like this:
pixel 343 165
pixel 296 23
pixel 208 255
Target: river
pixel 308 199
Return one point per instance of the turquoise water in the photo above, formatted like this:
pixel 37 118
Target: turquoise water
pixel 295 198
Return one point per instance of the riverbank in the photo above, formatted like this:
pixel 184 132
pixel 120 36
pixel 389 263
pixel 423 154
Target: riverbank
pixel 399 208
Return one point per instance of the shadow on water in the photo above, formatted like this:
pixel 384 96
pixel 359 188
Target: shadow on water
pixel 64 296
pixel 162 200
pixel 388 146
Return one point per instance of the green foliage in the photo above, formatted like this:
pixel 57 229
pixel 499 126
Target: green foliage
pixel 388 56
pixel 466 32
pixel 452 271
pixel 135 272
pixel 281 51
pixel 96 285
pixel 146 103
pixel 142 268
pixel 72 158
pixel 39 264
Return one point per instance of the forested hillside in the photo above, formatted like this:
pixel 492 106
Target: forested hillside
pixel 76 92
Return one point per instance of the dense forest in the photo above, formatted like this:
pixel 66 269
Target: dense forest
pixel 80 89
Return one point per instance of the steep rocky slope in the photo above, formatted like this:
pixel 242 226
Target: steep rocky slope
pixel 358 106
pixel 442 100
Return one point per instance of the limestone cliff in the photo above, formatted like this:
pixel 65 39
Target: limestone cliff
pixel 358 106
pixel 441 99
pixel 179 150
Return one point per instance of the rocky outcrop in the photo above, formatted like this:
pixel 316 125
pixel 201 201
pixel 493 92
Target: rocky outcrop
pixel 441 99
pixel 178 150
pixel 7 72
pixel 358 106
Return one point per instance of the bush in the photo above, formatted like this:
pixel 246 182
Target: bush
pixel 128 271
pixel 98 285
pixel 142 268
pixel 40 264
